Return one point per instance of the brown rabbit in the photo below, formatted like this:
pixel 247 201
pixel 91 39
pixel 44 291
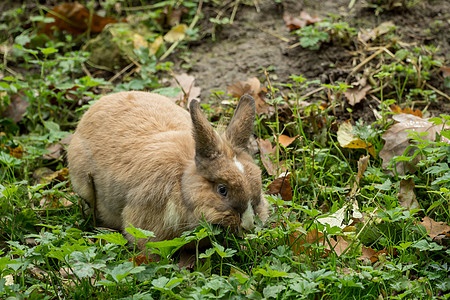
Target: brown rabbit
pixel 160 169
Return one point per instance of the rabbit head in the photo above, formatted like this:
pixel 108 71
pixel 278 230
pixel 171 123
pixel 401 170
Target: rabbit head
pixel 224 185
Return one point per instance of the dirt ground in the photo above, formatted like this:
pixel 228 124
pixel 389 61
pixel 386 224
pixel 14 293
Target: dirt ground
pixel 256 40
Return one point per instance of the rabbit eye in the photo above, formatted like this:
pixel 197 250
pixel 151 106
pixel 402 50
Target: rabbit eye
pixel 222 190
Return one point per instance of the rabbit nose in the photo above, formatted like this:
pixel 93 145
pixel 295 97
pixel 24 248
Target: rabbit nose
pixel 247 218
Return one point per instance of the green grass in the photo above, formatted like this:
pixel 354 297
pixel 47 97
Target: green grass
pixel 54 251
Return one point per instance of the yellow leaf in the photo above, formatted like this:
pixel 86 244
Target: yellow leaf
pixel 176 33
pixel 139 41
pixel 155 45
pixel 346 139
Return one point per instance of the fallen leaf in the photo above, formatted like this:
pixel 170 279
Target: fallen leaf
pixel 362 167
pixel 300 241
pixel 334 220
pixel 397 140
pixel 383 28
pixel 356 94
pixel 154 47
pixel 347 139
pixel 9 280
pixel 176 34
pixel 45 175
pixel 304 19
pixel 139 41
pixel 139 260
pixel 267 152
pixel 367 253
pixel 74 18
pixel 286 140
pixel 52 201
pixel 186 83
pixel 396 109
pixel 435 228
pixel 16 108
pixel 406 195
pixel 338 246
pixel 16 152
pixel 445 71
pixel 282 186
pixel 252 87
pixel 54 151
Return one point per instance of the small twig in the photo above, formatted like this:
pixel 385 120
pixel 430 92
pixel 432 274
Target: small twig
pixel 121 72
pixel 368 59
pixel 85 70
pixel 437 91
pixel 313 92
pixel 294 45
pixel 233 14
pixel 271 33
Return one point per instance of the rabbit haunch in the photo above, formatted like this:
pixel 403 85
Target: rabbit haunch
pixel 159 168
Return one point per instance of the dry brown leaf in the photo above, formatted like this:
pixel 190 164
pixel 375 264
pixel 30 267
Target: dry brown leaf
pixel 356 94
pixel 378 31
pixel 396 109
pixel 45 175
pixel 435 228
pixel 16 108
pixel 282 186
pixel 267 152
pixel 286 140
pixel 139 260
pixel 187 84
pixel 406 195
pixel 397 140
pixel 347 139
pixel 53 202
pixel 338 246
pixel 297 240
pixel 445 71
pixel 54 151
pixel 252 86
pixel 362 166
pixel 367 253
pixel 304 19
pixel 16 152
pixel 74 18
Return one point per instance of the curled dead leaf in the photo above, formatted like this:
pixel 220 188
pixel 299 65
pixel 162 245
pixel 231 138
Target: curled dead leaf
pixel 397 140
pixel 187 84
pixel 356 94
pixel 406 195
pixel 396 109
pixel 268 152
pixel 435 228
pixel 252 86
pixel 281 186
pixel 286 140
pixel 74 18
pixel 303 20
pixel 16 108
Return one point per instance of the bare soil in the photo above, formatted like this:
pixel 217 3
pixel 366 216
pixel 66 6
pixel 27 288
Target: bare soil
pixel 255 41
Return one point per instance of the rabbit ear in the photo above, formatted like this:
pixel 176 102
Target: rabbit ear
pixel 241 125
pixel 206 142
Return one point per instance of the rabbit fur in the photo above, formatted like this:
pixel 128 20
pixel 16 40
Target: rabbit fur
pixel 159 168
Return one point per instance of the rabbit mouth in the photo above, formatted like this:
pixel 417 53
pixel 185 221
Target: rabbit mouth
pixel 248 219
